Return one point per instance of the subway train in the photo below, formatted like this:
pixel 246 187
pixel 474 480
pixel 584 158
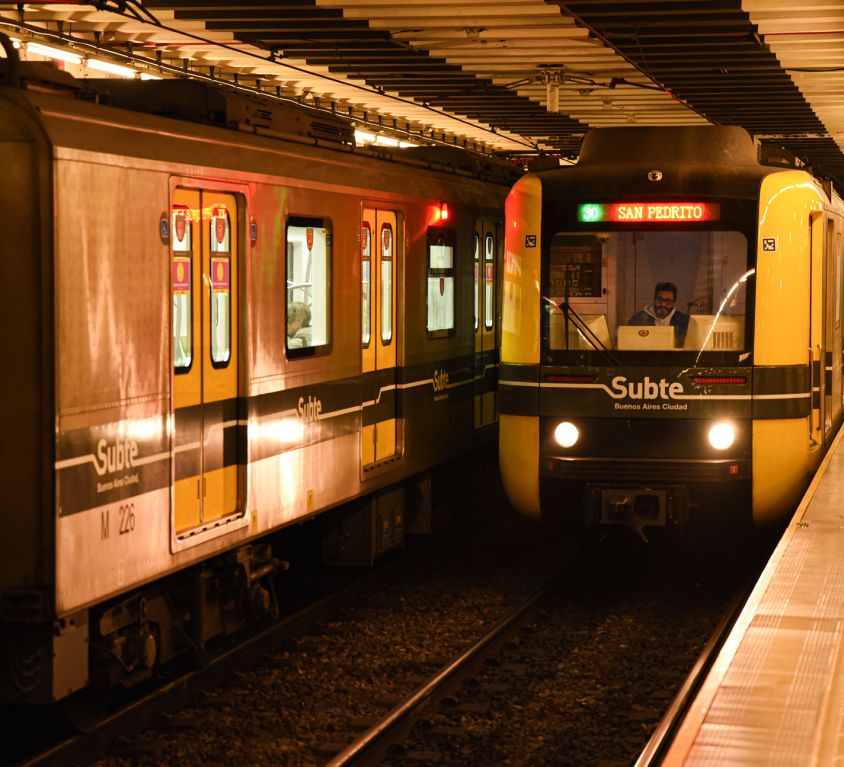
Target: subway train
pixel 222 319
pixel 671 357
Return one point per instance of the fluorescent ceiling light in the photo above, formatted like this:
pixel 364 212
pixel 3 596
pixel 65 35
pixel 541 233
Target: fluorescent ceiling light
pixel 112 69
pixel 53 53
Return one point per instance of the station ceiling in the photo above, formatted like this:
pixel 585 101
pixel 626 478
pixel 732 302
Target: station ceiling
pixel 512 77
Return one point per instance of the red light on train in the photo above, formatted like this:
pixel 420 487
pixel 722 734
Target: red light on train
pixel 439 213
pixel 719 380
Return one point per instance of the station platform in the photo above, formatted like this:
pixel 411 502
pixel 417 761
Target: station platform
pixel 775 694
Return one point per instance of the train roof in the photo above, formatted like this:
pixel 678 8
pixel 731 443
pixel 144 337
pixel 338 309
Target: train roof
pixel 222 106
pixel 713 160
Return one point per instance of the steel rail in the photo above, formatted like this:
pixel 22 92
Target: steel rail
pixel 665 731
pixel 181 690
pixel 378 736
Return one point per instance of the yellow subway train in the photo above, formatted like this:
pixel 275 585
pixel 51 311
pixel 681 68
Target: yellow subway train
pixel 671 356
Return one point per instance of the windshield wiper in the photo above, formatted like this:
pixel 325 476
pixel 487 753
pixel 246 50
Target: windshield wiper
pixel 570 315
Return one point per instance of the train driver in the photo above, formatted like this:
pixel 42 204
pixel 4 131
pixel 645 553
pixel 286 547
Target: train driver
pixel 298 325
pixel 663 312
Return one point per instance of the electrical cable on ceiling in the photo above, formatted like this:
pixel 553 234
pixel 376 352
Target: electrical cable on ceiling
pixel 119 7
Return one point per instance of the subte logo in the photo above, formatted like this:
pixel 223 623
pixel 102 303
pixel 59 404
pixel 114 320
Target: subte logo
pixel 440 380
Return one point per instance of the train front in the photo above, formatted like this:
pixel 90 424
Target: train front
pixel 626 372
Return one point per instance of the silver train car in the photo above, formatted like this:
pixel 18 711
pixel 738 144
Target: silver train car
pixel 215 327
pixel 671 355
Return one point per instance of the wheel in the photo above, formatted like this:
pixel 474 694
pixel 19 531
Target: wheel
pixel 85 709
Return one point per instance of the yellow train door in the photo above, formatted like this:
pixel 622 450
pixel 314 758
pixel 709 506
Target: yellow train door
pixel 380 263
pixel 832 333
pixel 204 252
pixel 487 241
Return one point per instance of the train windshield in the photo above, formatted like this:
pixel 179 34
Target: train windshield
pixel 658 291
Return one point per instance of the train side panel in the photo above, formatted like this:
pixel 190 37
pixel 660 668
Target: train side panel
pixel 112 379
pixel 520 339
pixel 783 454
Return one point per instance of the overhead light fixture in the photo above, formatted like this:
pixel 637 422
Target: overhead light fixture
pixel 53 53
pixel 552 89
pixel 552 97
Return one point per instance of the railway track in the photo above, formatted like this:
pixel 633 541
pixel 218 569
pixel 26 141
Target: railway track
pixel 464 654
pixel 661 739
pixel 371 747
pixel 184 688
pixel 391 740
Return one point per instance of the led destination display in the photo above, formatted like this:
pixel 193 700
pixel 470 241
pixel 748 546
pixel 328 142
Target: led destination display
pixel 656 212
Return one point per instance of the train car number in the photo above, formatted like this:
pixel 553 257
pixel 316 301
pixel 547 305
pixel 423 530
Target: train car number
pixel 125 521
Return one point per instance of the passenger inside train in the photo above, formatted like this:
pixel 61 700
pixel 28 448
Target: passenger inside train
pixel 298 325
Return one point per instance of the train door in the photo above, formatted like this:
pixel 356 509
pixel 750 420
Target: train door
pixel 380 264
pixel 204 250
pixel 486 244
pixel 832 334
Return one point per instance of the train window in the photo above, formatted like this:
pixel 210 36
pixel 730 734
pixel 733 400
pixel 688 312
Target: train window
pixel 575 266
pixel 440 246
pixel 489 281
pixel 181 227
pixel 366 283
pixel 477 249
pixel 386 283
pixel 626 285
pixel 308 264
pixel 220 271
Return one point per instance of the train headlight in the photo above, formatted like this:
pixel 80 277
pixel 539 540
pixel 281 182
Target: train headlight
pixel 566 434
pixel 722 435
